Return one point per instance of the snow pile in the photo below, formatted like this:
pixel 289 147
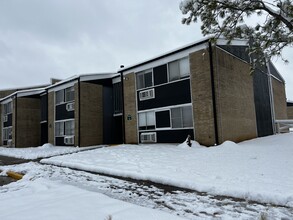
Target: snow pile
pixel 47 150
pixel 194 144
pixel 260 169
pixel 48 200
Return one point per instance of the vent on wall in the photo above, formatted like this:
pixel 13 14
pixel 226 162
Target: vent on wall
pixel 69 140
pixel 70 106
pixel 147 94
pixel 148 137
pixel 5 118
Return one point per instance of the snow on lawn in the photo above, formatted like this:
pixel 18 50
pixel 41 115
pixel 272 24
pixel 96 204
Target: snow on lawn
pixel 48 200
pixel 47 150
pixel 259 169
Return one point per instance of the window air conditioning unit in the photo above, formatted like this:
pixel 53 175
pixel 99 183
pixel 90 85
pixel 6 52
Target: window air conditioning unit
pixel 69 140
pixel 147 94
pixel 70 106
pixel 5 118
pixel 148 137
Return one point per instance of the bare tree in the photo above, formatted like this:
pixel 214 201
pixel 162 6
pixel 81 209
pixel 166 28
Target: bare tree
pixel 227 18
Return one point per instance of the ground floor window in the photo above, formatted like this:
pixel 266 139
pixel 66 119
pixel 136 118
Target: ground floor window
pixel 146 120
pixel 181 117
pixel 166 118
pixel 64 128
pixel 7 133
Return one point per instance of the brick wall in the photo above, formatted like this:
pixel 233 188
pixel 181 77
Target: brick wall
pixel 51 119
pixel 28 117
pixel 130 109
pixel 280 103
pixel 203 115
pixel 14 101
pixel 91 114
pixel 290 112
pixel 234 98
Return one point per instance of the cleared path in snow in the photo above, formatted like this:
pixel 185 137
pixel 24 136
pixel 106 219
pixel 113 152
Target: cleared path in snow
pixel 189 204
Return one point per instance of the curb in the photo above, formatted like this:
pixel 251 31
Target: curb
pixel 14 175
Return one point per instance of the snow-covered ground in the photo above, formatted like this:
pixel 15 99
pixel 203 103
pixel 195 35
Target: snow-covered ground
pixel 47 150
pixel 183 203
pixel 54 200
pixel 259 169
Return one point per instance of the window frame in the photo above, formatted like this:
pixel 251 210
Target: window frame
pixel 151 126
pixel 143 73
pixel 64 133
pixel 64 95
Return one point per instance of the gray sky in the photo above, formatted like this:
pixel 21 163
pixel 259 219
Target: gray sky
pixel 62 38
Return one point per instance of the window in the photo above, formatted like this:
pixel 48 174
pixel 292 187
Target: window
pixel 144 79
pixel 65 95
pixel 69 94
pixel 181 117
pixel 8 108
pixel 7 133
pixel 146 120
pixel 64 128
pixel 69 127
pixel 59 129
pixel 59 97
pixel 117 97
pixel 178 69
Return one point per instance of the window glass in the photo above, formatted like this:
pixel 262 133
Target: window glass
pixel 148 79
pixel 59 128
pixel 69 94
pixel 173 71
pixel 69 127
pixel 140 81
pixel 150 118
pixel 187 116
pixel 144 79
pixel 184 67
pixel 176 118
pixel 142 119
pixel 59 96
pixel 8 108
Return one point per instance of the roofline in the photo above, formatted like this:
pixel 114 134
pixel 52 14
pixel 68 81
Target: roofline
pixel 188 46
pixel 75 77
pixel 166 54
pixel 25 88
pixel 34 92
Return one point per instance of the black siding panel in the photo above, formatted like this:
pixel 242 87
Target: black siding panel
pixel 44 108
pixel 117 130
pixel 170 94
pixel 160 74
pixel 62 113
pixel 9 121
pixel 163 119
pixel 107 114
pixel 44 133
pixel 289 103
pixel 59 141
pixel 262 104
pixel 173 136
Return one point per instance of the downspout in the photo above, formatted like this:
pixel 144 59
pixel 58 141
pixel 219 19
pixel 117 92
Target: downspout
pixel 79 111
pixel 15 130
pixel 213 94
pixel 123 109
pixel 271 96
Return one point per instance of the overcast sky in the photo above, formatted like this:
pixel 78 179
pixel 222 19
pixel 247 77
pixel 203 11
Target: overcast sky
pixel 62 38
